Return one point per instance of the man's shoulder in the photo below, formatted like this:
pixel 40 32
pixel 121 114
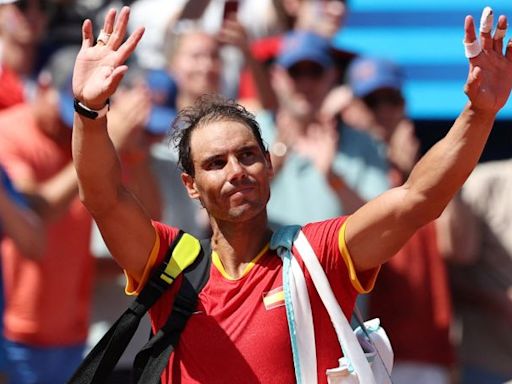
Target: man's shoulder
pixel 320 231
pixel 166 233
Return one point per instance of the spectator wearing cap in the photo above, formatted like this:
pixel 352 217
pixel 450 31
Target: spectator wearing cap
pixel 48 296
pixel 324 18
pixel 412 296
pixel 323 167
pixel 377 88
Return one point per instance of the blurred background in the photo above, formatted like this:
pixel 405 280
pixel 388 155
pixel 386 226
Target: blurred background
pixel 425 37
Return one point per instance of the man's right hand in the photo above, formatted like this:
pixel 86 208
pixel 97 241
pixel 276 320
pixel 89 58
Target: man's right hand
pixel 99 66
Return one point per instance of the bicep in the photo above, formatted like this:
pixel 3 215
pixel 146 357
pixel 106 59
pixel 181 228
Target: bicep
pixel 377 231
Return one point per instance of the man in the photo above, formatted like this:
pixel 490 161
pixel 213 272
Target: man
pixel 20 225
pixel 305 76
pixel 232 337
pixel 22 23
pixel 478 238
pixel 48 294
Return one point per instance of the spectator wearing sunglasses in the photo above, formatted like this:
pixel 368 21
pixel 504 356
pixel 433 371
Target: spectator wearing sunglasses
pixel 312 150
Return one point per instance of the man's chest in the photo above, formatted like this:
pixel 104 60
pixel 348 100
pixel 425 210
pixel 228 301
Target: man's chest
pixel 240 330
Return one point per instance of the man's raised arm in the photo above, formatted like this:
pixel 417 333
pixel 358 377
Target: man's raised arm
pixel 379 229
pixel 99 68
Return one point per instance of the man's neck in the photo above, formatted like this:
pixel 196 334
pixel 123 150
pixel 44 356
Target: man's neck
pixel 237 244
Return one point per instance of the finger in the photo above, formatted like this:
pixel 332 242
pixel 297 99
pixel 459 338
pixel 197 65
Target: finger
pixel 473 81
pixel 120 28
pixel 499 34
pixel 87 36
pixel 116 77
pixel 508 51
pixel 104 35
pixel 486 23
pixel 469 30
pixel 472 46
pixel 126 49
pixel 108 24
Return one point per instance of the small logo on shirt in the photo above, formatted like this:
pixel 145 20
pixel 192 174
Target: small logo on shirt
pixel 274 298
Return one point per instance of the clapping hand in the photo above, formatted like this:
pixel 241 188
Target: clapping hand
pixel 99 66
pixel 319 144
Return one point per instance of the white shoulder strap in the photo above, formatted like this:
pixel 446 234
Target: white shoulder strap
pixel 348 341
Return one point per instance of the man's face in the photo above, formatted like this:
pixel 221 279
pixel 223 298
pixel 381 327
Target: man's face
pixel 232 173
pixel 21 26
pixel 311 81
pixel 387 106
pixel 196 64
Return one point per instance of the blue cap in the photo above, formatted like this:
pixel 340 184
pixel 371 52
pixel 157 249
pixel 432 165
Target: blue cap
pixel 163 98
pixel 300 46
pixel 366 75
pixel 163 91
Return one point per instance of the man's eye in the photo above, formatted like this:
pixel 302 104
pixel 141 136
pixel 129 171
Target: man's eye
pixel 247 156
pixel 216 164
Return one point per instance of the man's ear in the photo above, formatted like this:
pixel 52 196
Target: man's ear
pixel 270 168
pixel 190 185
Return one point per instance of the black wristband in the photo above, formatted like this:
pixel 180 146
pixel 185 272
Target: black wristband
pixel 85 111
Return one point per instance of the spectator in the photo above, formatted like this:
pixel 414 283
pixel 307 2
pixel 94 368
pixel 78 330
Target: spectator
pixel 478 228
pixel 19 225
pixel 412 296
pixel 21 26
pixel 323 18
pixel 305 76
pixel 48 298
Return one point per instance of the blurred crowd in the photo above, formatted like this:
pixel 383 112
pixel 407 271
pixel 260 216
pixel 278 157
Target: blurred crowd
pixel 338 133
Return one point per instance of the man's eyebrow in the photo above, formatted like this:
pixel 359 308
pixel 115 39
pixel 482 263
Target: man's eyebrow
pixel 247 147
pixel 210 158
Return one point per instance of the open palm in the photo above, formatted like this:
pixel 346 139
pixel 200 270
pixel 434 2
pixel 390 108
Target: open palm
pixel 490 73
pixel 100 67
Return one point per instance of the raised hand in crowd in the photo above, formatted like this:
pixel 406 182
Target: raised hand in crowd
pixel 320 144
pixel 234 33
pixel 322 17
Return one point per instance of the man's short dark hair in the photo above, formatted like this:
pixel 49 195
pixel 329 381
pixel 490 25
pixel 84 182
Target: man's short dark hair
pixel 207 109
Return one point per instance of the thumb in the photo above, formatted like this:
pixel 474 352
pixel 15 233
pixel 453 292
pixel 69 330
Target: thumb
pixel 474 79
pixel 116 77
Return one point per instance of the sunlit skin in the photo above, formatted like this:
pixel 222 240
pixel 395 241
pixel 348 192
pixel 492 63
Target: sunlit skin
pixel 232 173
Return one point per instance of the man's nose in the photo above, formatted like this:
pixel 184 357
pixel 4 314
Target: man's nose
pixel 235 169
